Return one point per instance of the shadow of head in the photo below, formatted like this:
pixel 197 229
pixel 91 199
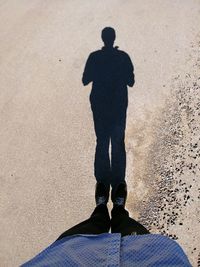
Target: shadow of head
pixel 108 36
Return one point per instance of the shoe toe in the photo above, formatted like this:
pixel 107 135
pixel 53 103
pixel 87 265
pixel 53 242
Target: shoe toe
pixel 101 194
pixel 119 194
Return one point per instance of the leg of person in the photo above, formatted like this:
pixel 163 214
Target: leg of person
pixel 98 223
pixel 122 223
pixel 118 165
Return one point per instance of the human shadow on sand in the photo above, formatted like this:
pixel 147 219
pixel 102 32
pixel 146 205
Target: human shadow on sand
pixel 110 70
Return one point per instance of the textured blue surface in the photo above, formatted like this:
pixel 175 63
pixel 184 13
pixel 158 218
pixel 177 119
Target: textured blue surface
pixel 112 250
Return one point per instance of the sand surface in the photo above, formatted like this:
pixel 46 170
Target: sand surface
pixel 47 139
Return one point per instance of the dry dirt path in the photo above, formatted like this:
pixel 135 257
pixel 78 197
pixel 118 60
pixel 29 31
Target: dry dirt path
pixel 47 139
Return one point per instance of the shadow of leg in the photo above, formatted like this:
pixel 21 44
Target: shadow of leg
pixel 118 152
pixel 102 160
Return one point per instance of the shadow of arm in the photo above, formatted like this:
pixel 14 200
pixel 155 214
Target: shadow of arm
pixel 130 73
pixel 88 71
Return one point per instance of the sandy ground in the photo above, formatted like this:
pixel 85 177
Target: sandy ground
pixel 47 139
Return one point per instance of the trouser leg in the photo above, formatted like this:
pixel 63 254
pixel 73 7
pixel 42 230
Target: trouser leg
pixel 122 223
pixel 98 223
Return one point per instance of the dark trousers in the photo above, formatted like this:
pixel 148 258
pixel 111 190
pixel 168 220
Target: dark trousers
pixel 110 124
pixel 99 222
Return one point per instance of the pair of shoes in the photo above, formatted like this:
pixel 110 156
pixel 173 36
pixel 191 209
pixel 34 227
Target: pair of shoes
pixel 101 193
pixel 119 195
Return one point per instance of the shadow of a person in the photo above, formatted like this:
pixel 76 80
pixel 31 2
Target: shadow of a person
pixel 110 70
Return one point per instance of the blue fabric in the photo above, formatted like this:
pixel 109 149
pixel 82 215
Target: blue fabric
pixel 112 250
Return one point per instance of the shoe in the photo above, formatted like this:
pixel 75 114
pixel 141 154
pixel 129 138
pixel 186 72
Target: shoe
pixel 119 195
pixel 101 193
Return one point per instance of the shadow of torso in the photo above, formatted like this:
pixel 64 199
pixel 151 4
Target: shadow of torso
pixel 109 72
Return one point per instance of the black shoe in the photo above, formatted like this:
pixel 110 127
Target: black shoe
pixel 101 193
pixel 119 195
